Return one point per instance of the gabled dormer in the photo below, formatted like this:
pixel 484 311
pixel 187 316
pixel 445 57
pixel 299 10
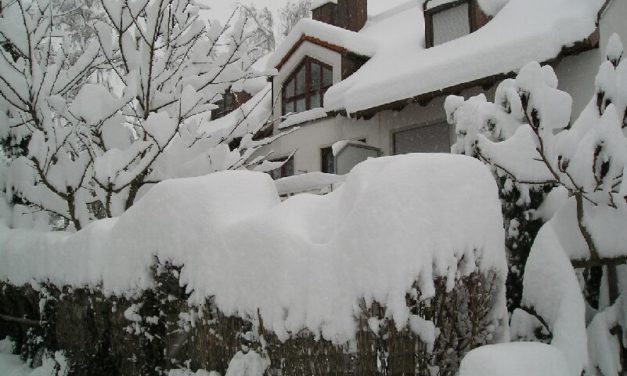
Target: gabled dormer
pixel 317 54
pixel 446 20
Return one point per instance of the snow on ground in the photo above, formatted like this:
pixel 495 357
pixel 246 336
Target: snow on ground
pixel 12 365
pixel 383 229
pixel 522 31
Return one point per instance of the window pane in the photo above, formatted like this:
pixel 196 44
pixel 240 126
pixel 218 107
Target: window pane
pixel 327 77
pixel 289 107
pixel 327 165
pixel 289 90
pixel 300 105
pixel 287 169
pixel 315 76
pixel 315 100
pixel 300 81
pixel 425 139
pixel 450 24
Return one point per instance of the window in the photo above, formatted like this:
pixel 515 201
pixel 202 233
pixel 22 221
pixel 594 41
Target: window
pixel 425 139
pixel 451 19
pixel 305 87
pixel 450 24
pixel 327 159
pixel 287 169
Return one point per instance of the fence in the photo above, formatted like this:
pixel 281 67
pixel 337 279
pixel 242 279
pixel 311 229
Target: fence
pixel 101 336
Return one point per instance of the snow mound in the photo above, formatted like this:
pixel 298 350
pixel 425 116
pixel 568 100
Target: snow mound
pixel 514 359
pixel 550 286
pixel 305 263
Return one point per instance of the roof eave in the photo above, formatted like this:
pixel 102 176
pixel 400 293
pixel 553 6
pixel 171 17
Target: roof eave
pixel 589 43
pixel 307 38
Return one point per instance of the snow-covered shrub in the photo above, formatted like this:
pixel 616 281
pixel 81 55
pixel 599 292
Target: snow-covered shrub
pixel 383 273
pixel 86 136
pixel 520 201
pixel 586 211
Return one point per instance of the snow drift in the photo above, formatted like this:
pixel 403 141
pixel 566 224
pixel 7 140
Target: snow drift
pixel 305 263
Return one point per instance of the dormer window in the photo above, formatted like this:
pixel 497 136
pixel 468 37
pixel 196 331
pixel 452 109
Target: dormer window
pixel 305 87
pixel 446 20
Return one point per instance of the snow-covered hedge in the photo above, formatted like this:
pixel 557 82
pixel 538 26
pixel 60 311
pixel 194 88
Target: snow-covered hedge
pixel 401 250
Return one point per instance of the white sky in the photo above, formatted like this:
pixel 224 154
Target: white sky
pixel 221 9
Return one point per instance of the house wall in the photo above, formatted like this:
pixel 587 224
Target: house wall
pixel 577 73
pixel 576 77
pixel 351 156
pixel 311 137
pixel 613 20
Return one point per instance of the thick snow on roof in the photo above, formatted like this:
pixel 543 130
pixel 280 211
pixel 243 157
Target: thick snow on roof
pixel 349 40
pixel 302 263
pixel 303 117
pixel 522 31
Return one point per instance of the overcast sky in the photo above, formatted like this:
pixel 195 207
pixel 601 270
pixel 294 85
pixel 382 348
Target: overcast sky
pixel 221 9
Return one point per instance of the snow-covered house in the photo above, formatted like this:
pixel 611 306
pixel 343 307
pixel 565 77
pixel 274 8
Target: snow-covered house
pixel 381 79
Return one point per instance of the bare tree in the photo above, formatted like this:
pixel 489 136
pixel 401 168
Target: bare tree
pixel 89 148
pixel 291 13
pixel 262 30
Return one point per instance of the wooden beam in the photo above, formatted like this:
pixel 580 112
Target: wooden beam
pixel 588 263
pixel 23 321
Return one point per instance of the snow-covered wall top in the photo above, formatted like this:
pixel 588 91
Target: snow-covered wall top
pixel 304 263
pixel 521 31
pixel 349 40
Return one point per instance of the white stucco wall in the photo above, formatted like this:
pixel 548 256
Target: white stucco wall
pixel 577 73
pixel 576 77
pixel 351 156
pixel 311 137
pixel 614 20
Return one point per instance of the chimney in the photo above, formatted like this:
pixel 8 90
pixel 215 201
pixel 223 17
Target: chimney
pixel 348 14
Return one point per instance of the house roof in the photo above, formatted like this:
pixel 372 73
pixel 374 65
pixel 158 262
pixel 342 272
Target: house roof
pixel 329 36
pixel 401 69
